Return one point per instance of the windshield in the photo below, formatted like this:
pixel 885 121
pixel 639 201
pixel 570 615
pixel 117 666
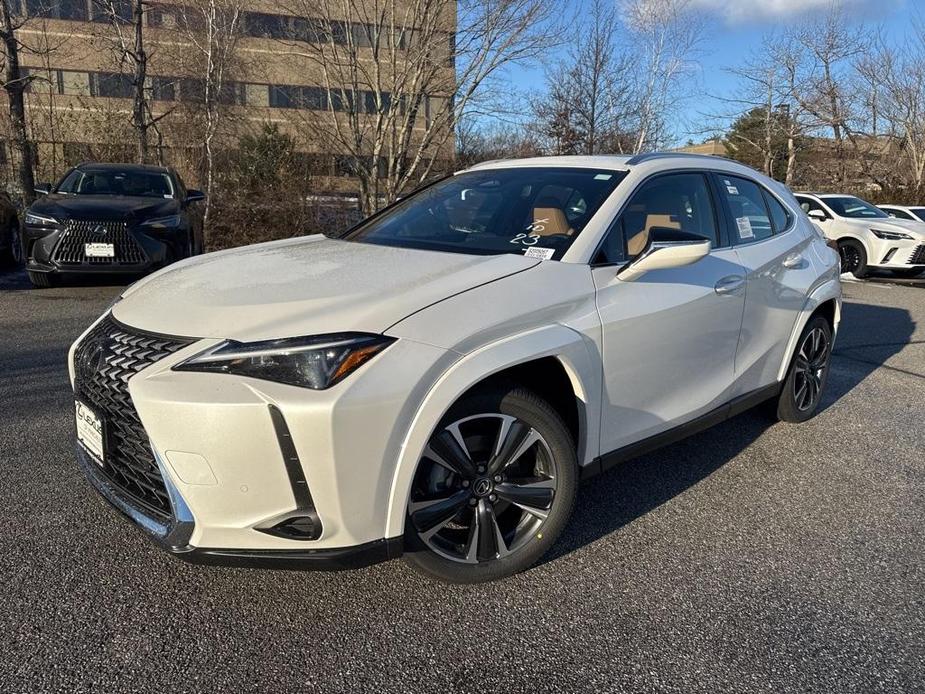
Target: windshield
pixel 528 211
pixel 854 208
pixel 144 184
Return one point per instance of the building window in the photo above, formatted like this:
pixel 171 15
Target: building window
pixel 111 84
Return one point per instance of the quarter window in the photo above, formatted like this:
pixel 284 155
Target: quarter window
pixel 675 201
pixel 779 215
pixel 750 218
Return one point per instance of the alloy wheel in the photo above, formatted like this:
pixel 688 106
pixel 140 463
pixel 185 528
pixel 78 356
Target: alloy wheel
pixel 811 364
pixel 850 257
pixel 483 489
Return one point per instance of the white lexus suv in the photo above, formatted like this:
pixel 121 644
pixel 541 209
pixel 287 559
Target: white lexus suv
pixel 436 381
pixel 867 237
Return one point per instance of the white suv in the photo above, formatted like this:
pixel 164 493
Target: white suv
pixel 912 214
pixel 867 236
pixel 438 380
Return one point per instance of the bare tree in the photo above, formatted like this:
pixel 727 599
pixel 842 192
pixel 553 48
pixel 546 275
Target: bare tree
pixel 586 104
pixel 213 28
pixel 127 43
pixel 667 34
pixel 15 84
pixel 395 78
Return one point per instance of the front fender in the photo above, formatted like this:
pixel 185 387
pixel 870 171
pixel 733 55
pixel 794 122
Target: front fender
pixel 827 291
pixel 578 356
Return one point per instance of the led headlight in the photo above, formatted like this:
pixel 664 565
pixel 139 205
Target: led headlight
pixel 311 362
pixel 891 235
pixel 37 220
pixel 169 222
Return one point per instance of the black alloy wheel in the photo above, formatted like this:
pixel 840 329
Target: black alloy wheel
pixel 802 391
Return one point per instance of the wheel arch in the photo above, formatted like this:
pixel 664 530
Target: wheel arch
pixel 550 361
pixel 825 300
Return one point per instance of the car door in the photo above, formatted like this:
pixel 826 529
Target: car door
pixel 668 337
pixel 774 250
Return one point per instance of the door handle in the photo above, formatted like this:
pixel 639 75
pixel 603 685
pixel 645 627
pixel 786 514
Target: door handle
pixel 792 261
pixel 729 284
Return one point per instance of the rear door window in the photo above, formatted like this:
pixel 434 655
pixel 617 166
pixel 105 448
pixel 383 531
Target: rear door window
pixel 749 214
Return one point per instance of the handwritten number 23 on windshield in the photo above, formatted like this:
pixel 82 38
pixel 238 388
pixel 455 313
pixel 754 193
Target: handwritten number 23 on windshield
pixel 538 227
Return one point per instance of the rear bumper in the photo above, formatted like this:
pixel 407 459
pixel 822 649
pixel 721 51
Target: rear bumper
pixel 173 535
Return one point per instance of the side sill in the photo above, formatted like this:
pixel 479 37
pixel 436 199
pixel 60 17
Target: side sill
pixel 679 433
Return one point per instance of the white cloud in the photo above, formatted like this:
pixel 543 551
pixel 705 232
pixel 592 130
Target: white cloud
pixel 750 11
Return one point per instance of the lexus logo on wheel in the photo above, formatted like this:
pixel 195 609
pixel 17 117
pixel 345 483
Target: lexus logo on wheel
pixel 482 487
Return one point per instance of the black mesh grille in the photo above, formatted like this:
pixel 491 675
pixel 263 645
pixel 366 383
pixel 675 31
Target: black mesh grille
pixel 104 361
pixel 918 257
pixel 79 232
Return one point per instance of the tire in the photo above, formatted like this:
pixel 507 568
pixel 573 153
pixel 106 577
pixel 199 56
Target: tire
pixel 853 258
pixel 455 503
pixel 41 280
pixel 809 370
pixel 909 273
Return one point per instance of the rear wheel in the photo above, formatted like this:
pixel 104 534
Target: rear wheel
pixel 853 257
pixel 493 490
pixel 809 370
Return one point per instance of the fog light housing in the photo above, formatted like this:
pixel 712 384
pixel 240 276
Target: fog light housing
pixel 307 527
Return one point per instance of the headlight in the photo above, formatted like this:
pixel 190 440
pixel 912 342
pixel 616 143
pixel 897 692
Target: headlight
pixel 171 222
pixel 38 220
pixel 891 235
pixel 311 362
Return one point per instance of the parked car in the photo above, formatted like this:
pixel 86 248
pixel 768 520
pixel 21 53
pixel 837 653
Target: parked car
pixel 436 381
pixel 912 214
pixel 867 237
pixel 10 246
pixel 110 218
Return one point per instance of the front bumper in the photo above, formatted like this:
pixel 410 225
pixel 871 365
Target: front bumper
pixel 59 249
pixel 173 537
pixel 229 479
pixel 896 254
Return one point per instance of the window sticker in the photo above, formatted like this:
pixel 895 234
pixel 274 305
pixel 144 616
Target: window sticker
pixel 745 228
pixel 603 177
pixel 540 253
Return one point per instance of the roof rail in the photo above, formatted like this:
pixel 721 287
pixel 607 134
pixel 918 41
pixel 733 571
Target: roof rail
pixel 651 156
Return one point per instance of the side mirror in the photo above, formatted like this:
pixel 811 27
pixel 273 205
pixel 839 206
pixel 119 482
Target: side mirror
pixel 193 195
pixel 42 188
pixel 666 248
pixel 817 215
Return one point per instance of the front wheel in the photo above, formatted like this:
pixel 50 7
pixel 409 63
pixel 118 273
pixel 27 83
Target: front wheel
pixel 493 490
pixel 853 258
pixel 802 391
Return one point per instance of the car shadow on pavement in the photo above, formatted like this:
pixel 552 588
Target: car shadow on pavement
pixel 610 501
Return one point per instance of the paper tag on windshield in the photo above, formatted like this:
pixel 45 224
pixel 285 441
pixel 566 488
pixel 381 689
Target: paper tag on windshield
pixel 731 188
pixel 745 228
pixel 541 253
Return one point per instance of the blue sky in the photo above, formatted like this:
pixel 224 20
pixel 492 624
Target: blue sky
pixel 735 27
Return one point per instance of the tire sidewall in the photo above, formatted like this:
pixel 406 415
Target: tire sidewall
pixel 528 407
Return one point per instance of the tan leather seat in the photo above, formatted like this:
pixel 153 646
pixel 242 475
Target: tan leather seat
pixel 549 220
pixel 637 244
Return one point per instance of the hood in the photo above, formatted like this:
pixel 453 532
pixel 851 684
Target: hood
pixel 103 207
pixel 903 226
pixel 304 286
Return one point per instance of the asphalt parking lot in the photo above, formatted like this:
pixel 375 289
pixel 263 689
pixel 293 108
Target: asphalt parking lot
pixel 752 557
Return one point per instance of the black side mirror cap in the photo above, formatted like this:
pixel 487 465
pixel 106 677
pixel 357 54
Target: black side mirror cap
pixel 42 188
pixel 193 195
